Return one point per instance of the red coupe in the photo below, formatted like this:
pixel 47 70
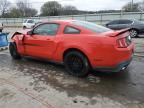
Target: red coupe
pixel 80 45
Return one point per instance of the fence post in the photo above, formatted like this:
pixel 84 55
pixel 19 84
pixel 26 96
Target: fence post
pixel 141 16
pixel 6 22
pixel 101 20
pixel 15 22
pixel 48 18
pixel 59 17
pixel 72 17
pixel 121 15
pixel 85 17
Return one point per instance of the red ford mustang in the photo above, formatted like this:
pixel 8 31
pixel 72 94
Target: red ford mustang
pixel 80 45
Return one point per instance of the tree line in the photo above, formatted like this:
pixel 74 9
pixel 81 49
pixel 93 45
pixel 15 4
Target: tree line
pixel 135 7
pixel 23 8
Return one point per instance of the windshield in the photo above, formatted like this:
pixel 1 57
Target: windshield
pixel 91 26
pixel 24 21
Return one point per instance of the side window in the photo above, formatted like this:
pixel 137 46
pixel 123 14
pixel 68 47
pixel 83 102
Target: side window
pixel 46 29
pixel 125 22
pixel 30 21
pixel 114 22
pixel 71 30
pixel 129 22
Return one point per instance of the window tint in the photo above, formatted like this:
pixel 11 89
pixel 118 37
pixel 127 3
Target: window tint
pixel 30 21
pixel 91 26
pixel 71 30
pixel 125 22
pixel 46 29
pixel 114 22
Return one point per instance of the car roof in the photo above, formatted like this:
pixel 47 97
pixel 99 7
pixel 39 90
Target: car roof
pixel 57 21
pixel 124 19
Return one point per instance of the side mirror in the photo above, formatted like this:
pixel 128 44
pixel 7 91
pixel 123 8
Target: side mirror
pixel 30 32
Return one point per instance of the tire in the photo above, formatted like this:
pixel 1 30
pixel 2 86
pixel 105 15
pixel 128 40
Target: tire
pixel 133 33
pixel 76 64
pixel 24 27
pixel 13 51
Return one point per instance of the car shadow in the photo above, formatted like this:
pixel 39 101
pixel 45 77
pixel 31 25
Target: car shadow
pixel 122 75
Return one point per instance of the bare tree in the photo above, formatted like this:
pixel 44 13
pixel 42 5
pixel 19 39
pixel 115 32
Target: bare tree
pixel 141 6
pixel 69 10
pixel 22 5
pixel 23 9
pixel 4 7
pixel 129 8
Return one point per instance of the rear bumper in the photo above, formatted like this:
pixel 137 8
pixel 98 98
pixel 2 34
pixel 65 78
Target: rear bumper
pixel 122 66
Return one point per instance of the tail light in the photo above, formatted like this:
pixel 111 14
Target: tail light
pixel 124 42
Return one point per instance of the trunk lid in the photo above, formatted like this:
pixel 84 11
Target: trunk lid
pixel 117 33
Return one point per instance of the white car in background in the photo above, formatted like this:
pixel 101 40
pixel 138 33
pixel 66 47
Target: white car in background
pixel 1 27
pixel 29 23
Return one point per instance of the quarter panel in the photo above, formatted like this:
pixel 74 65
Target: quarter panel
pixel 84 43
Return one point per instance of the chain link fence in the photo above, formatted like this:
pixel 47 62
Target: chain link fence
pixel 96 18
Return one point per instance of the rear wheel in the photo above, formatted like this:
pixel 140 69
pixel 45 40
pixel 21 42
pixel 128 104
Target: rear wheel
pixel 13 51
pixel 133 33
pixel 76 64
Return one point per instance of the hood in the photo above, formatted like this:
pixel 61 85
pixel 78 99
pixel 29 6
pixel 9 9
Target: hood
pixel 21 32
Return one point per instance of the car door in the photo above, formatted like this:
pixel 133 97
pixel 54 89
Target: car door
pixel 124 24
pixel 42 42
pixel 114 25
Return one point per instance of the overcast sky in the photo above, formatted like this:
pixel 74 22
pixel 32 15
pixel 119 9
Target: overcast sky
pixel 90 5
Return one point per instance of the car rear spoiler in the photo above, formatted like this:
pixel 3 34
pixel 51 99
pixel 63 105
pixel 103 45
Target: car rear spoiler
pixel 119 32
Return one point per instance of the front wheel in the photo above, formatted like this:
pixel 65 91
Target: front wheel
pixel 76 64
pixel 1 30
pixel 13 51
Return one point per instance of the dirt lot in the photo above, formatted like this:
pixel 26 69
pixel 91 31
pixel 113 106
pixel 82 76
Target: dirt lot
pixel 30 83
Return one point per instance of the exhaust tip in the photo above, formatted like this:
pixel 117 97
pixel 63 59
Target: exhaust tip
pixel 123 68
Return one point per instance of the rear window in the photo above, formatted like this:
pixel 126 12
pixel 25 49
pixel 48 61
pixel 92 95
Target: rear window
pixel 91 26
pixel 71 30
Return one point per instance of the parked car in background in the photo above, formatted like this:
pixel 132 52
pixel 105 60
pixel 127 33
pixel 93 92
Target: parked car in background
pixel 80 45
pixel 1 27
pixel 136 27
pixel 30 23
